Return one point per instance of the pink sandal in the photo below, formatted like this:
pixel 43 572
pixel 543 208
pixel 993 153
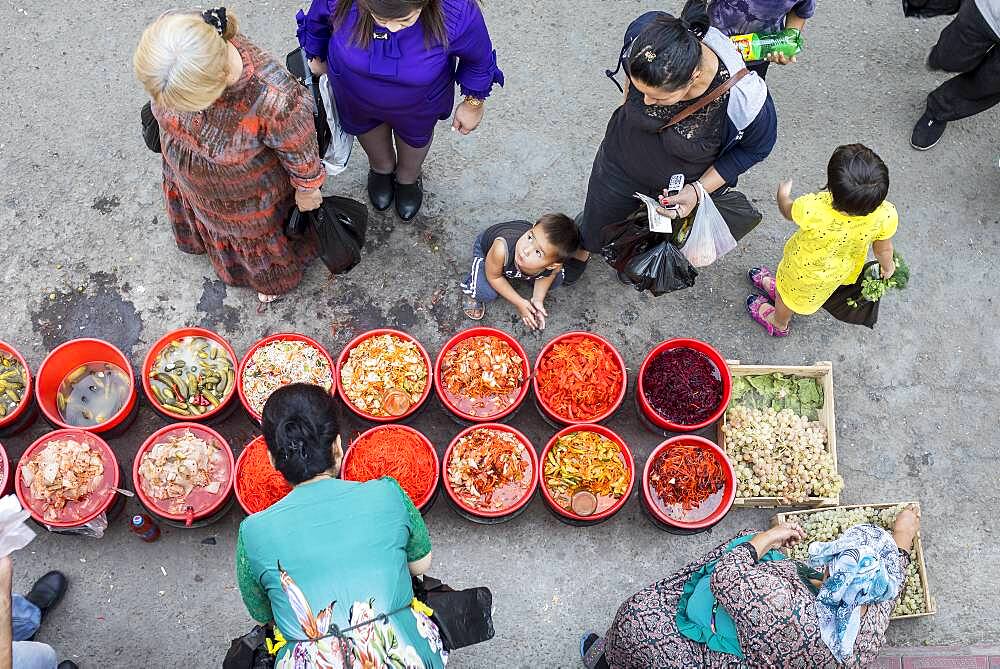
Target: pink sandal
pixel 757 276
pixel 756 308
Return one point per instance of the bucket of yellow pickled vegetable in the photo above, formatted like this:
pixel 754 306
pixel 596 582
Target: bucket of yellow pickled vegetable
pixel 190 375
pixel 87 384
pixel 481 375
pixel 183 474
pixel 384 376
pixel 587 474
pixel 276 361
pixel 18 409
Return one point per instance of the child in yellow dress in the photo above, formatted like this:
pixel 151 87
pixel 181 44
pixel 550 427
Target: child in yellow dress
pixel 836 227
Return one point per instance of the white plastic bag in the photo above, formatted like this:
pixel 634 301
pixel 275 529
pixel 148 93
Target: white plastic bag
pixel 710 238
pixel 341 143
pixel 14 534
pixel 95 528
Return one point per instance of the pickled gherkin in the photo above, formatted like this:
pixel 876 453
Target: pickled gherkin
pixel 192 376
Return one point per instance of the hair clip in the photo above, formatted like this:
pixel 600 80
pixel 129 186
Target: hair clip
pixel 217 19
pixel 650 55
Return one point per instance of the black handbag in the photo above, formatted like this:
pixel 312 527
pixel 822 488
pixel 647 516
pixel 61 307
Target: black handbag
pixel 463 617
pixel 150 128
pixel 250 651
pixel 298 65
pixel 847 304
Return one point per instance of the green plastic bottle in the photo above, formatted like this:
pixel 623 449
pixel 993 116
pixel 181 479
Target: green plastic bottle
pixel 757 46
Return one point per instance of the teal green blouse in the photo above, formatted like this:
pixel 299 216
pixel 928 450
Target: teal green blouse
pixel 336 552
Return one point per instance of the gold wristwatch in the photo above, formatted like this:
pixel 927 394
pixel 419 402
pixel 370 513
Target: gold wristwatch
pixel 474 101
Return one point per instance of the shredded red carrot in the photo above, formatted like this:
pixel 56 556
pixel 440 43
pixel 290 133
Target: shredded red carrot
pixel 395 452
pixel 579 378
pixel 687 475
pixel 259 483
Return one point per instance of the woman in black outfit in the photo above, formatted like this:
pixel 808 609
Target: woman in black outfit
pixel 675 65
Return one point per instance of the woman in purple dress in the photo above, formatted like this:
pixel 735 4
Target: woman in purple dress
pixel 392 66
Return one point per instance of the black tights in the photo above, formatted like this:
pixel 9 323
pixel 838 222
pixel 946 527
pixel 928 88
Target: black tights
pixel 384 158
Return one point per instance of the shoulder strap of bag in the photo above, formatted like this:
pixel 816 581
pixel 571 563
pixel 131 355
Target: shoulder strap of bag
pixel 706 100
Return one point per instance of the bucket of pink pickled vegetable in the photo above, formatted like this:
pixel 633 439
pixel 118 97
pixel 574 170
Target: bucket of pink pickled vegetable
pixel 481 375
pixel 683 385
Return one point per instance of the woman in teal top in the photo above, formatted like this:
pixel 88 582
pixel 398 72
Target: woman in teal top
pixel 330 564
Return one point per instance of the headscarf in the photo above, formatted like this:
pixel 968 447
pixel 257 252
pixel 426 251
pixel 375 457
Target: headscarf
pixel 864 568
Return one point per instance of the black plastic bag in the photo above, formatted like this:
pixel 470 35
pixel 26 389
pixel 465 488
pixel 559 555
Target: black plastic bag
pixel 249 651
pixel 298 65
pixel 839 305
pixel 150 128
pixel 341 225
pixel 463 617
pixel 661 269
pixel 626 239
pixel 925 9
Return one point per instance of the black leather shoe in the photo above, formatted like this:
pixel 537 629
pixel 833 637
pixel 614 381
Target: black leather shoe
pixel 409 197
pixel 47 591
pixel 380 189
pixel 67 664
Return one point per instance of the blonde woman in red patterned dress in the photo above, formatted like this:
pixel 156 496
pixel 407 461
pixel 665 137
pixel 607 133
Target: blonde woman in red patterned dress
pixel 239 148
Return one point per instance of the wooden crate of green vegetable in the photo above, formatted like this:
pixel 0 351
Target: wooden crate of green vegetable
pixel 828 524
pixel 780 433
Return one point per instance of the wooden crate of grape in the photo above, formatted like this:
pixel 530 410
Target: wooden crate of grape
pixel 822 373
pixel 916 601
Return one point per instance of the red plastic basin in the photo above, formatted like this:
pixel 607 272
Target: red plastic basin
pixel 429 495
pixel 727 384
pixel 566 420
pixel 728 494
pixel 629 465
pixel 93 504
pixel 64 359
pixel 502 513
pixel 154 351
pixel 480 332
pixel 27 397
pixel 202 504
pixel 281 336
pixel 342 391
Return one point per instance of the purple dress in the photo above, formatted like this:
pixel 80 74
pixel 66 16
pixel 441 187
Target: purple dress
pixel 398 80
pixel 739 17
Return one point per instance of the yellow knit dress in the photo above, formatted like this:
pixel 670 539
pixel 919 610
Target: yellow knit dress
pixel 828 250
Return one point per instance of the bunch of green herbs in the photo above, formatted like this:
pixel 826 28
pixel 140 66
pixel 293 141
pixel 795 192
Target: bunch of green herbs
pixel 873 286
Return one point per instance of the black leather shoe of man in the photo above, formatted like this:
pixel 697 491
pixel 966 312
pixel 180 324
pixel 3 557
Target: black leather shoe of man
pixel 409 197
pixel 67 664
pixel 380 189
pixel 47 591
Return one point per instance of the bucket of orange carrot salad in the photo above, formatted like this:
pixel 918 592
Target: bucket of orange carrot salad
pixel 383 376
pixel 481 376
pixel 400 452
pixel 579 378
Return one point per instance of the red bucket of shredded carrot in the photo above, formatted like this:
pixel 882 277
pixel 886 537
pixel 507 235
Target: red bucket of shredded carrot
pixel 683 385
pixel 384 375
pixel 398 451
pixel 688 485
pixel 258 483
pixel 481 375
pixel 579 378
pixel 490 473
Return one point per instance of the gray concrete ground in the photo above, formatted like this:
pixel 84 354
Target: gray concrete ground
pixel 87 251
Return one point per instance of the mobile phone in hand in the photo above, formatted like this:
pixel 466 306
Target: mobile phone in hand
pixel 674 187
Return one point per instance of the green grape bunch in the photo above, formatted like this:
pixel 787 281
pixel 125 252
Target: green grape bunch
pixel 829 524
pixel 780 454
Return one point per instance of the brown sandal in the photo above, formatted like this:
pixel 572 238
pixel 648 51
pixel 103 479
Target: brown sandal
pixel 474 309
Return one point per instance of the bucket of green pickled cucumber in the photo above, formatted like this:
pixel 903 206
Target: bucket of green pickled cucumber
pixel 190 375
